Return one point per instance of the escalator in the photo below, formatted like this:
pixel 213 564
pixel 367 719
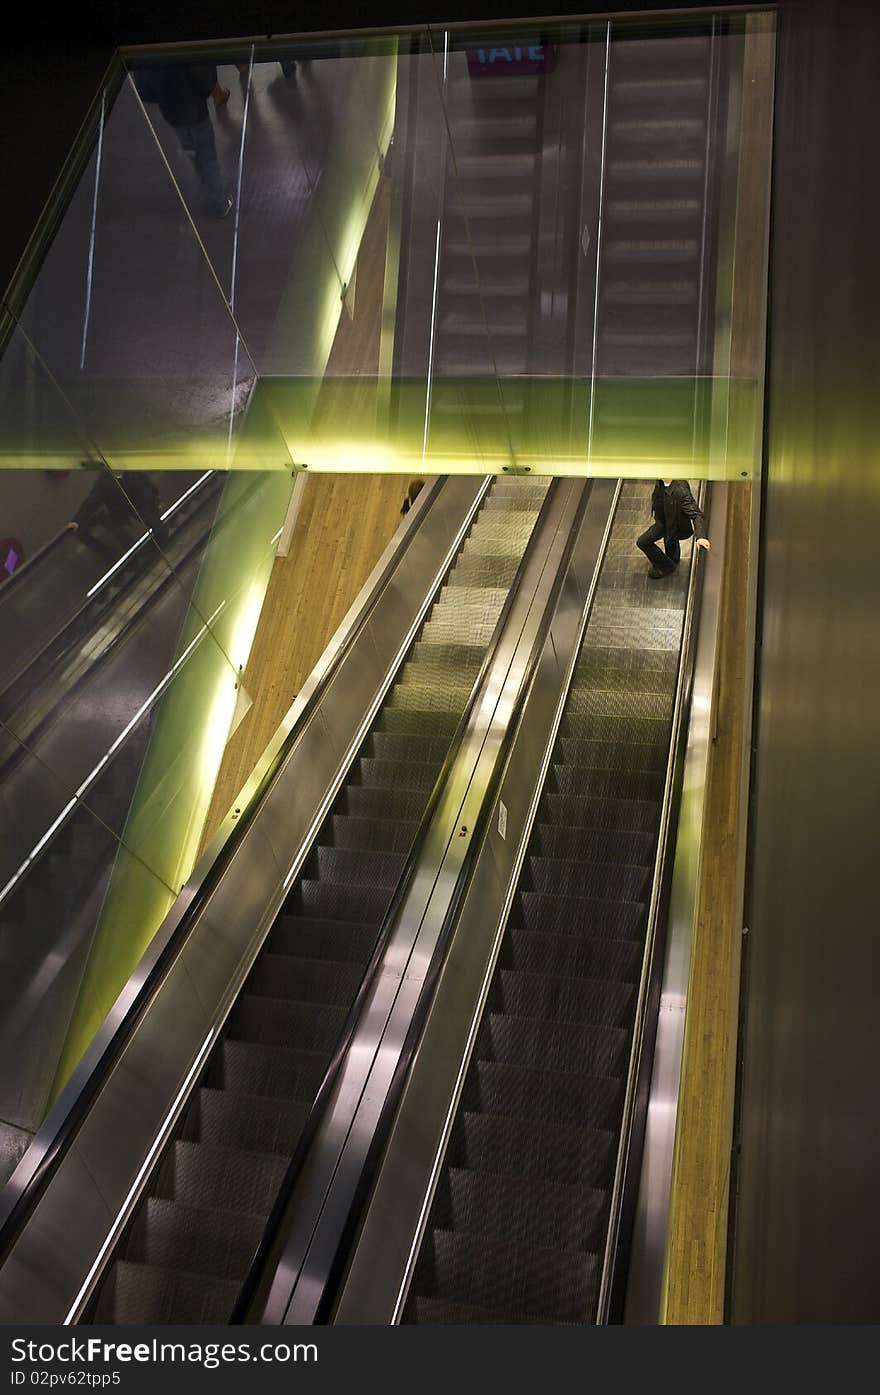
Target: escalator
pixel 191 1240
pixel 519 1220
pixel 88 664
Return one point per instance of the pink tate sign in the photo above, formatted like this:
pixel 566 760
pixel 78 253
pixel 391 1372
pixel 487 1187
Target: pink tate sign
pixel 511 58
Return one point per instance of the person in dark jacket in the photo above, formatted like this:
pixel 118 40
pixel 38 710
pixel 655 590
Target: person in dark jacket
pixel 676 515
pixel 182 94
pixel 115 503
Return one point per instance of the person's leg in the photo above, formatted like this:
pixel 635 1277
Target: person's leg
pixel 647 543
pixel 673 550
pixel 208 168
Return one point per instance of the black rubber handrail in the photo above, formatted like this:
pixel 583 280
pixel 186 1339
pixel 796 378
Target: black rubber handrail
pixel 256 1275
pixel 15 1212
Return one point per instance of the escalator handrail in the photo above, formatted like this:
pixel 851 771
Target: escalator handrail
pixel 66 1117
pixel 330 1281
pixel 612 1261
pixel 257 1272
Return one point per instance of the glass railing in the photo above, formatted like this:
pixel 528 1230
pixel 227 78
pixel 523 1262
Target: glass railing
pixel 539 248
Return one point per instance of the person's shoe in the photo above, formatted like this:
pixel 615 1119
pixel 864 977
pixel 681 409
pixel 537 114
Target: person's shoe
pixel 656 572
pixel 221 97
pixel 226 209
pixel 288 67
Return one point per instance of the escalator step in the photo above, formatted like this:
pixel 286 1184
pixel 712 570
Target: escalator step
pixel 584 704
pixel 590 1102
pixel 594 812
pixel 254 1122
pixel 278 1072
pixel 335 940
pixel 396 746
pixel 642 731
pixel 563 1153
pixel 282 1022
pixel 554 840
pixel 591 754
pixel 558 1285
pixel 530 951
pixel 521 1212
pixel 578 915
pixel 572 877
pixel 144 1293
pixel 439 1311
pixel 321 981
pixel 576 1047
pixel 352 865
pixel 414 722
pixel 555 998
pixel 398 774
pixel 375 802
pixel 381 835
pixel 219 1243
pixel 616 784
pixel 205 1176
pixel 316 900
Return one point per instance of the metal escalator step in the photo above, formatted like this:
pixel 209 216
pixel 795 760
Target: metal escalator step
pixel 377 802
pixel 535 951
pixel 591 754
pixel 617 784
pixel 544 1096
pixel 621 680
pixel 577 877
pixel 622 729
pixel 218 1243
pixel 405 722
pixel 558 998
pixel 591 844
pixel 523 1212
pixel 380 835
pixel 234 1179
pixel 563 1153
pixel 305 980
pixel 584 704
pixel 445 693
pixel 136 1294
pixel 595 658
pixel 278 1072
pixel 369 867
pixel 398 746
pixel 593 812
pixel 336 940
pixel 438 1311
pixel 558 1285
pixel 282 1022
pixel 654 88
pixel 230 1119
pixel 326 901
pixel 399 774
pixel 453 654
pixel 578 1048
pixel 578 915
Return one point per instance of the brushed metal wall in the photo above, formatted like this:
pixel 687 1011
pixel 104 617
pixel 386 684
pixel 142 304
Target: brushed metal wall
pixel 807 1229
